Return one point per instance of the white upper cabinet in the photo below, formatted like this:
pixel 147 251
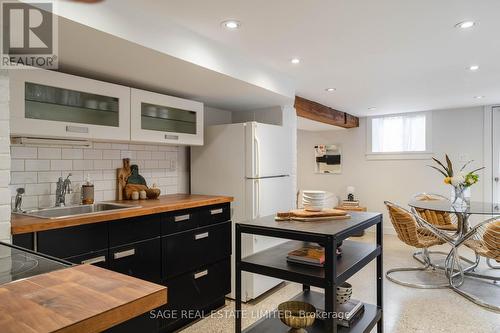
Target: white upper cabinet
pixel 52 104
pixel 165 119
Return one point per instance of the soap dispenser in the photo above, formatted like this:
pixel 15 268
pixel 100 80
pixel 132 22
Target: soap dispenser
pixel 87 192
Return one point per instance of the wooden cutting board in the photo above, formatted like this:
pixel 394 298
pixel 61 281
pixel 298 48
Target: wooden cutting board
pixel 327 212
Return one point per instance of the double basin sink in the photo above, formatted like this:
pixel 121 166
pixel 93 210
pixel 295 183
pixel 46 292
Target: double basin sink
pixel 79 210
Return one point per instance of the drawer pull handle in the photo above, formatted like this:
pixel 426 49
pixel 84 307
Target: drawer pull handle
pixel 201 274
pixel 201 236
pixel 216 211
pixel 95 260
pixel 123 254
pixel 181 218
pixel 77 129
pixel 171 137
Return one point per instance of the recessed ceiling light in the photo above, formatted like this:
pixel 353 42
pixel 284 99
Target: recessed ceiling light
pixel 295 61
pixel 478 97
pixel 372 108
pixel 231 24
pixel 474 68
pixel 465 24
pixel 330 89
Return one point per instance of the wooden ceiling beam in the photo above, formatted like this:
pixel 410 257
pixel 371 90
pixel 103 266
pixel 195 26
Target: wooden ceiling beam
pixel 324 114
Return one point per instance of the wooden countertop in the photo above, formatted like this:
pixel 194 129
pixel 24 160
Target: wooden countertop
pixel 83 298
pixel 21 224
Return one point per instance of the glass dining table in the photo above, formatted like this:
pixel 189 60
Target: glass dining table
pixel 462 212
pixel 464 230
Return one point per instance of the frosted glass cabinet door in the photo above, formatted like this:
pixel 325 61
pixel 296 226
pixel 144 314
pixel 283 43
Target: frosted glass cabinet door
pixel 165 119
pixel 52 104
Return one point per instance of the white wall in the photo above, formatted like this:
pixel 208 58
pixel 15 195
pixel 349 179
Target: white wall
pixel 4 158
pixel 454 132
pixel 213 116
pixel 274 115
pixel 37 168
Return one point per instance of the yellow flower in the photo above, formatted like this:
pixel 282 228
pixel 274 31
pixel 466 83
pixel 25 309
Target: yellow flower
pixel 447 180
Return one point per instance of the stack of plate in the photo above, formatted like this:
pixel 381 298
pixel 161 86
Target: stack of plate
pixel 314 200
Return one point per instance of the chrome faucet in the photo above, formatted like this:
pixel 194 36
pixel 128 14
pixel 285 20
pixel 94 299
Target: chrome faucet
pixel 63 187
pixel 19 200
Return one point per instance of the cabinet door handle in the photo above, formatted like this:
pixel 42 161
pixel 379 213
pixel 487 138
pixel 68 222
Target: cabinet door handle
pixel 181 218
pixel 201 274
pixel 201 236
pixel 216 211
pixel 171 137
pixel 77 129
pixel 123 254
pixel 95 260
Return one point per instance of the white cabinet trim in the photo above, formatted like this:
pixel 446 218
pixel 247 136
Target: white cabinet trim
pixel 141 135
pixel 22 126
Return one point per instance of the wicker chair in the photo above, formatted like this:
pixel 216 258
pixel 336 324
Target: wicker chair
pixel 484 240
pixel 442 220
pixel 414 234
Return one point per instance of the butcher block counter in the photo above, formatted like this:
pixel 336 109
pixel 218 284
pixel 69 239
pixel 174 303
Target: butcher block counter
pixel 82 298
pixel 21 224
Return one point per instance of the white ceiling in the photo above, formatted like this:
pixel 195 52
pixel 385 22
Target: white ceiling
pixel 397 56
pixel 90 53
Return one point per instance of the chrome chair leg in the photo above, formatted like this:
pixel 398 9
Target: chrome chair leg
pixel 427 267
pixel 476 300
pixel 490 265
pixel 417 254
pixel 451 262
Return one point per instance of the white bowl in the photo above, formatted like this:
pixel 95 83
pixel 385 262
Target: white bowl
pixel 311 192
pixel 314 194
pixel 313 208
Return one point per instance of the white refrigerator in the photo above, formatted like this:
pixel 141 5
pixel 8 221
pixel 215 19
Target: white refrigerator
pixel 251 162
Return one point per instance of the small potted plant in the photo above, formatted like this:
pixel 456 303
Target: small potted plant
pixel 461 180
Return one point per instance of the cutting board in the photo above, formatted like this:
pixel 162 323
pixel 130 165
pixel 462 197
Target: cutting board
pixel 327 212
pixel 304 215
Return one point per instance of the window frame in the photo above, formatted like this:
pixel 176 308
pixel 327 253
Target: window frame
pixel 399 155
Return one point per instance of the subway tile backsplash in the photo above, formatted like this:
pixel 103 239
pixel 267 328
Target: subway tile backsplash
pixel 37 169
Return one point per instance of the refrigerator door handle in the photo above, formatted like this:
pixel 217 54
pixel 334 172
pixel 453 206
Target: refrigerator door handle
pixel 257 198
pixel 257 157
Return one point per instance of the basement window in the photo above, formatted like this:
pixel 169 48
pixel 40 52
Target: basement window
pixel 399 136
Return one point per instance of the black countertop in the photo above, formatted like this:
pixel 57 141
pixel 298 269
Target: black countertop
pixel 17 263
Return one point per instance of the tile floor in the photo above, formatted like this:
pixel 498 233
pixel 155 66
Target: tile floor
pixel 405 309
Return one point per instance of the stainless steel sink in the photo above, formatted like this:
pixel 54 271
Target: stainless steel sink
pixel 70 211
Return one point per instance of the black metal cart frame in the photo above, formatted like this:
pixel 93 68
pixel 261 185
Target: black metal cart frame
pixel 272 263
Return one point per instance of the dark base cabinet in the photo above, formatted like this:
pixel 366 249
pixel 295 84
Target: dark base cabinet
pixel 141 260
pixel 143 324
pixel 193 292
pixel 98 258
pixel 188 251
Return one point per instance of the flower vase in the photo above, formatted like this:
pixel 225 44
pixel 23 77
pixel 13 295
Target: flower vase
pixel 460 196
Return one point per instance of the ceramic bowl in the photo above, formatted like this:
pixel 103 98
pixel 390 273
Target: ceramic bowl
pixel 313 208
pixel 297 315
pixel 344 292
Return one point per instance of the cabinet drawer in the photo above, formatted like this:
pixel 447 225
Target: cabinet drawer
pixel 134 229
pixel 99 258
pixel 214 214
pixel 187 251
pixel 141 260
pixel 181 220
pixel 198 289
pixel 143 323
pixel 73 241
